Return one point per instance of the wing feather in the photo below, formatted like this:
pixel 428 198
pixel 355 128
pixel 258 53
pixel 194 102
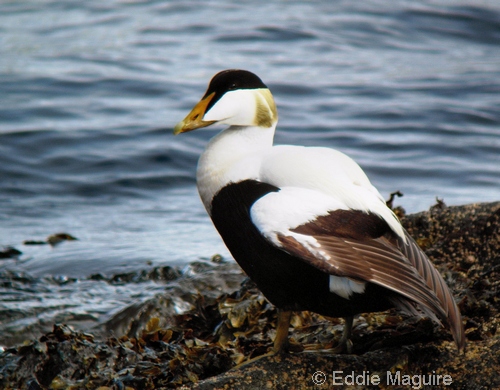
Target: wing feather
pixel 386 267
pixel 421 262
pixel 316 219
pixel 385 259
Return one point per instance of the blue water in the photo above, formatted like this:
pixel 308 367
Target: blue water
pixel 90 91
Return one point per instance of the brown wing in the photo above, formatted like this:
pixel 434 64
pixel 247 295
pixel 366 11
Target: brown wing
pixel 433 279
pixel 361 246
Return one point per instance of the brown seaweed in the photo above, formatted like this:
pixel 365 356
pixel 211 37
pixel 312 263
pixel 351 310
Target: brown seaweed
pixel 201 347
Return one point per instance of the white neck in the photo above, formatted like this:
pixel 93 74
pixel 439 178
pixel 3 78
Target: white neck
pixel 231 156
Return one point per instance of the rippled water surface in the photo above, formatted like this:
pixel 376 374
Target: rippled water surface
pixel 91 90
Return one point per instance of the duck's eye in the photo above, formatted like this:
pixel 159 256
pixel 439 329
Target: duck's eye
pixel 232 86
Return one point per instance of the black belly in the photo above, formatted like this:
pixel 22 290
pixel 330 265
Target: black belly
pixel 287 281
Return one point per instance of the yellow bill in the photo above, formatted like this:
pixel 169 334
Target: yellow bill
pixel 194 120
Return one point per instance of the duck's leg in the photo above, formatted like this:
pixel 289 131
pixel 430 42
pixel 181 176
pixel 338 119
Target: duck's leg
pixel 281 339
pixel 345 343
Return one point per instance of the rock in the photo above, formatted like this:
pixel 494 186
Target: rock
pixel 200 348
pixel 464 243
pixel 9 253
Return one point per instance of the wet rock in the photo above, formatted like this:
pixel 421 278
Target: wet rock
pixel 226 322
pixel 57 238
pixel 10 253
pixel 52 240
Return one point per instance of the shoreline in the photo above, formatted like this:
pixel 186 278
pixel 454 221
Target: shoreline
pixel 230 321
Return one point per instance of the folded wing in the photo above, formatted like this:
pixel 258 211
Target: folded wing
pixel 357 245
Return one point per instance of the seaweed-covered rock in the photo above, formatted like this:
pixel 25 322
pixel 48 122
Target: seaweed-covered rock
pixel 201 348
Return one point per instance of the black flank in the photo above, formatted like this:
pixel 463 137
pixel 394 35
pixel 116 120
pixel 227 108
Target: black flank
pixel 286 280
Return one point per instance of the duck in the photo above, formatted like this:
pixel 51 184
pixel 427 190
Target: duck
pixel 305 223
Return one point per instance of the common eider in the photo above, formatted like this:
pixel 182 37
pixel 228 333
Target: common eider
pixel 305 223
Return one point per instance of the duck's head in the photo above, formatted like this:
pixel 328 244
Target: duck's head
pixel 234 97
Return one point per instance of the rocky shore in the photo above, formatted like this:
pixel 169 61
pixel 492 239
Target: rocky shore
pixel 150 346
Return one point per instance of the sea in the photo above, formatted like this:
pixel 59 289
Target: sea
pixel 90 92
